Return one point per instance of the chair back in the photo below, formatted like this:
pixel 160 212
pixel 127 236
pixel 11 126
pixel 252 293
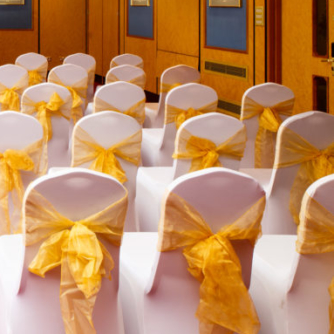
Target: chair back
pixel 127 58
pixel 172 76
pixel 58 146
pixel 266 95
pixel 316 128
pixel 32 61
pixel 108 128
pixel 185 97
pixel 75 194
pixel 88 62
pixel 216 127
pixel 128 73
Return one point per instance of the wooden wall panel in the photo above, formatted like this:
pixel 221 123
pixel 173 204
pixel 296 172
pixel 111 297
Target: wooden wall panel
pixel 16 42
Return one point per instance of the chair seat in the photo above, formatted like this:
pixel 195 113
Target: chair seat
pixel 151 112
pixel 151 142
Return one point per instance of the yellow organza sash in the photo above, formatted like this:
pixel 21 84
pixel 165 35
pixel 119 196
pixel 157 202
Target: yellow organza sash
pixel 91 75
pixel 114 64
pixel 205 153
pixel 224 299
pixel 10 96
pixel 178 115
pixel 138 81
pixel 37 75
pixel 137 111
pixel 86 149
pixel 78 91
pixel 269 122
pixel 46 110
pixel 33 158
pixel 75 246
pixel 315 164
pixel 316 235
pixel 165 88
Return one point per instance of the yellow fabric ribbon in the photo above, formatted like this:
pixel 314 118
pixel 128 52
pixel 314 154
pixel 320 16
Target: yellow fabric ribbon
pixel 224 299
pixel 45 110
pixel 316 235
pixel 33 159
pixel 86 149
pixel 139 81
pixel 269 122
pixel 91 75
pixel 178 115
pixel 205 153
pixel 75 246
pixel 78 92
pixel 315 164
pixel 114 64
pixel 136 111
pixel 37 75
pixel 165 87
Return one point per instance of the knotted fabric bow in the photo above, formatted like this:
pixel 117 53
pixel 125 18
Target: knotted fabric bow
pixel 269 122
pixel 178 115
pixel 205 153
pixel 33 159
pixel 136 111
pixel 78 91
pixel 75 246
pixel 139 81
pixel 86 149
pixel 316 235
pixel 37 75
pixel 315 163
pixel 224 299
pixel 56 107
pixel 10 96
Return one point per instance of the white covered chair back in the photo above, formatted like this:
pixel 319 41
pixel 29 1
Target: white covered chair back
pixel 88 62
pixel 76 194
pixel 128 73
pixel 265 95
pixel 58 145
pixel 14 80
pixel 107 129
pixel 127 58
pixel 36 65
pixel 315 127
pixel 123 97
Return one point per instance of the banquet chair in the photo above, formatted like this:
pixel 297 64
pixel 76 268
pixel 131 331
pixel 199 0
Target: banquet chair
pixel 208 140
pixel 182 103
pixel 109 142
pixel 123 97
pixel 304 153
pixel 14 80
pixel 158 293
pixel 71 207
pixel 172 77
pixel 127 58
pixel 22 159
pixel 36 65
pixel 51 105
pixel 128 73
pixel 292 274
pixel 89 64
pixel 263 108
pixel 75 79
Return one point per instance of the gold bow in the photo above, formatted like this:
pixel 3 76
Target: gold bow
pixel 12 163
pixel 138 81
pixel 78 92
pixel 316 235
pixel 136 111
pixel 224 299
pixel 178 115
pixel 205 153
pixel 45 110
pixel 75 246
pixel 37 75
pixel 315 164
pixel 269 122
pixel 86 149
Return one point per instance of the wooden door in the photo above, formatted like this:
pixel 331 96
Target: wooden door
pixel 307 53
pixel 62 29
